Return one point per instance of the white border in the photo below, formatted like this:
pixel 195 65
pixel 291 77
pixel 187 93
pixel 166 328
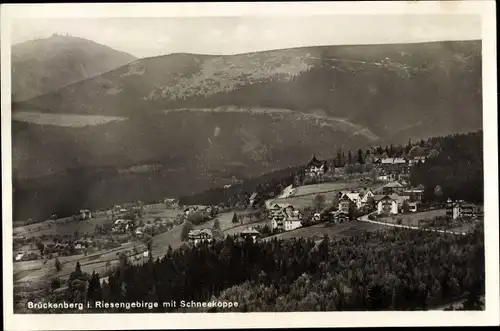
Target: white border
pixel 263 320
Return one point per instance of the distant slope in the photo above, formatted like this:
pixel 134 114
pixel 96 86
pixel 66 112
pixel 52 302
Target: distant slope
pixel 61 169
pixel 425 88
pixel 45 65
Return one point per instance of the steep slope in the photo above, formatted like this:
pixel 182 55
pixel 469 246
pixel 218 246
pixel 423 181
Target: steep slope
pixel 393 90
pixel 60 169
pixel 45 65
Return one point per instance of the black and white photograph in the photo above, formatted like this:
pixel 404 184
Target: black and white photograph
pixel 213 159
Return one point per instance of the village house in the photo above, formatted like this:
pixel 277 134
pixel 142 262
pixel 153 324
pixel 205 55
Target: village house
pixel 275 210
pixel 316 168
pixel 395 187
pixel 458 209
pixel 394 168
pixel 354 196
pixel 278 222
pixel 338 217
pixel 387 206
pixel 390 204
pixel 345 204
pixel 293 218
pixel 198 236
pixel 250 233
pixel 415 194
pixel 85 214
pixel 366 196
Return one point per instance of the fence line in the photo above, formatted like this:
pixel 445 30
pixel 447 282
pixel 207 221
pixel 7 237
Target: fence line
pixel 365 219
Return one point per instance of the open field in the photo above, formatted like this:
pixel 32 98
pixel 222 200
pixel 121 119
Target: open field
pixel 62 227
pixel 239 228
pixel 68 120
pixel 37 270
pixel 335 231
pixel 32 271
pixel 411 219
pixel 304 195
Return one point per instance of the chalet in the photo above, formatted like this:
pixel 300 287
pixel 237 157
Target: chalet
pixel 278 222
pixel 293 218
pixel 338 216
pixel 393 168
pixel 345 204
pixel 461 208
pixel 275 209
pixel 366 196
pixel 316 168
pixel 250 233
pixel 395 187
pixel 85 214
pixel 415 194
pixel 387 206
pixel 198 236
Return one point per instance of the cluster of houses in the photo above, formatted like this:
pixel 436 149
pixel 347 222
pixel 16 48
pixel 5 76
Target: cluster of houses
pixel 122 226
pixel 208 210
pixel 460 209
pixel 396 168
pixel 198 236
pixel 126 225
pixel 393 198
pixel 389 168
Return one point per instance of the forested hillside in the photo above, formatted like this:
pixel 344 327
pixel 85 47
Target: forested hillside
pixel 458 168
pixel 388 270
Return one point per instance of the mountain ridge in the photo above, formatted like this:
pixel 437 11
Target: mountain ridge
pixel 434 80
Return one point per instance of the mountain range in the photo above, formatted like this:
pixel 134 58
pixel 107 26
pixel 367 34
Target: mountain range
pixel 182 123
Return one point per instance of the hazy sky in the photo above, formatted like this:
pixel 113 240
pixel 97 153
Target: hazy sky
pixel 144 37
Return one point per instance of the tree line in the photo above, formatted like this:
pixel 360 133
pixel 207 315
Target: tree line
pixel 397 269
pixel 456 172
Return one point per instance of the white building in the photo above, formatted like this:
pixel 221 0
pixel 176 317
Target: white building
pixel 198 236
pixel 387 206
pixel 285 218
